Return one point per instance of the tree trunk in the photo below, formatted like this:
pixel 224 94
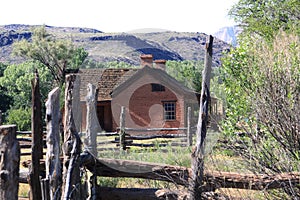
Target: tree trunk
pixel 9 163
pixel 37 141
pixel 53 163
pixel 196 181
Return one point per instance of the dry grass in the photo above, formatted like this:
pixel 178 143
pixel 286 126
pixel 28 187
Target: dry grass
pixel 23 190
pixel 233 193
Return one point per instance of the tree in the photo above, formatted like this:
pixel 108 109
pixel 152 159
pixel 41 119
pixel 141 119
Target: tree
pixel 261 79
pixel 186 72
pixel 57 55
pixel 20 117
pixel 6 100
pixel 266 17
pixel 262 84
pixel 16 82
pixel 17 78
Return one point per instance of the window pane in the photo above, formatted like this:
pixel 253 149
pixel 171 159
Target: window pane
pixel 169 110
pixel 157 87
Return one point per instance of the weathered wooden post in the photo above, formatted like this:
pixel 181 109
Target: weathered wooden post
pixel 71 147
pixel 0 117
pixel 45 186
pixel 53 163
pixel 189 129
pixel 76 104
pixel 92 123
pixel 196 180
pixel 122 129
pixel 37 140
pixel 92 128
pixel 9 163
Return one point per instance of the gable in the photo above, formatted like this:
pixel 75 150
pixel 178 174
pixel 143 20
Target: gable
pixel 150 75
pixel 110 82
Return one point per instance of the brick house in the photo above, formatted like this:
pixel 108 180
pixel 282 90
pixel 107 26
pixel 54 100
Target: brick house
pixel 151 97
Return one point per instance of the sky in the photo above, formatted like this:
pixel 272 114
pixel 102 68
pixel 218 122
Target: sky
pixel 206 16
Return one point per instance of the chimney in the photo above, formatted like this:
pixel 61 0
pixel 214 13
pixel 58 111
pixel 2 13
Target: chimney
pixel 160 64
pixel 146 60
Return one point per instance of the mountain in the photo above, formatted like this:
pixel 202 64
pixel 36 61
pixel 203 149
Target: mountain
pixel 127 47
pixel 147 30
pixel 228 34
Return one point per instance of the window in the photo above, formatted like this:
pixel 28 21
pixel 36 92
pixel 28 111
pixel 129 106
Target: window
pixel 157 87
pixel 169 110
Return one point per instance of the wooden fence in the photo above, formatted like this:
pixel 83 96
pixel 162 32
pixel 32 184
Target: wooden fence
pixel 111 141
pixel 25 141
pixel 61 176
pixel 126 138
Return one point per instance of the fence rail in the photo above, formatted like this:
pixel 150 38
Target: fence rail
pixel 25 140
pixel 111 141
pixel 155 129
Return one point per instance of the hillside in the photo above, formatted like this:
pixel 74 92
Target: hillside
pixel 125 47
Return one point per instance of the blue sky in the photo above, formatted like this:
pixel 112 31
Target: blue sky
pixel 121 15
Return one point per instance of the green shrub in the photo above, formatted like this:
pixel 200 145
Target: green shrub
pixel 20 117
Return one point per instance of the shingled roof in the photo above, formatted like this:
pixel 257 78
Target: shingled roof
pixel 104 79
pixel 88 76
pixel 110 79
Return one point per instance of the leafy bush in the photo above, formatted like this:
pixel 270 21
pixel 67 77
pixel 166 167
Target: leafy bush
pixel 262 83
pixel 20 117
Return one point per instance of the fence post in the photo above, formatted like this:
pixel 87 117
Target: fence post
pixel 76 104
pixel 92 124
pixel 122 129
pixel 71 147
pixel 53 163
pixel 196 180
pixel 189 131
pixel 9 163
pixel 37 140
pixel 0 117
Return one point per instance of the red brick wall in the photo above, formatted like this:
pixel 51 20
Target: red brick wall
pixel 145 108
